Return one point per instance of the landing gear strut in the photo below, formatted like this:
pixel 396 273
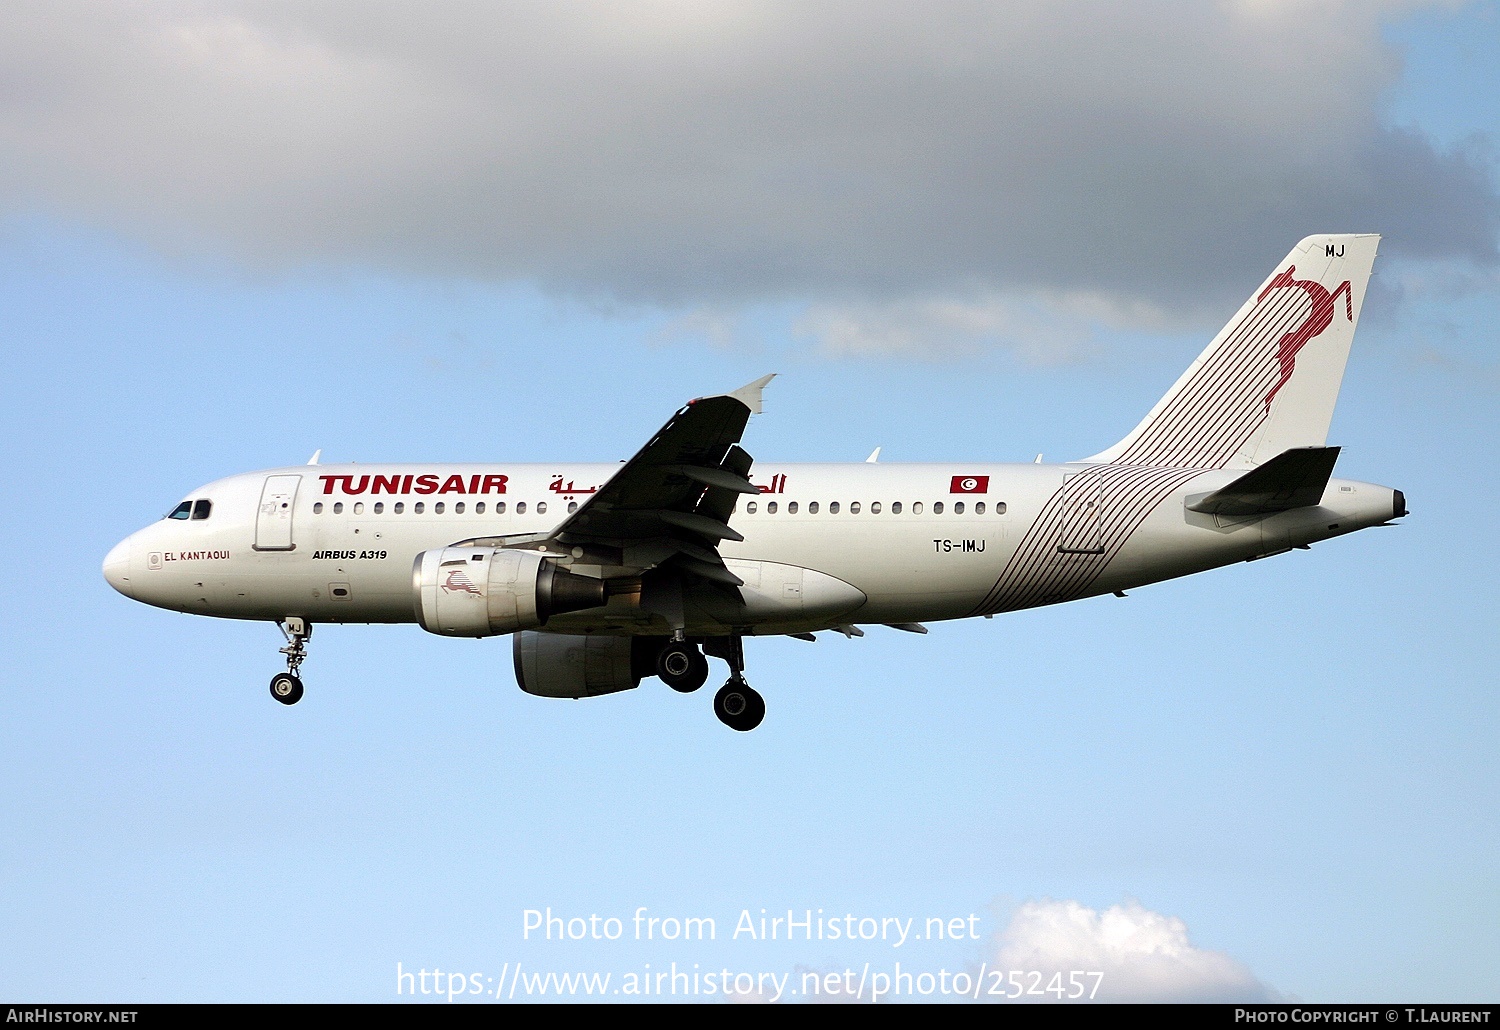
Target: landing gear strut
pixel 737 704
pixel 286 687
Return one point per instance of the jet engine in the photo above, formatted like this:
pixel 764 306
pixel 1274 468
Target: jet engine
pixel 566 665
pixel 482 591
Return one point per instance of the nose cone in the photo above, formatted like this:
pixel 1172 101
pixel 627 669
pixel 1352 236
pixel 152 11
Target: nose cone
pixel 117 567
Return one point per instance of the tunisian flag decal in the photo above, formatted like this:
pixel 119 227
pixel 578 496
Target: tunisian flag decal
pixel 969 485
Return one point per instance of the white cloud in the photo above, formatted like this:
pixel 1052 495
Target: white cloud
pixel 1144 956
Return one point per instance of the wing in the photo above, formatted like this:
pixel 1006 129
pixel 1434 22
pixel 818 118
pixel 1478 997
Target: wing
pixel 669 506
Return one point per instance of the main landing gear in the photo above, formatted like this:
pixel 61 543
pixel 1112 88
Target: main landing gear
pixel 681 665
pixel 737 704
pixel 286 687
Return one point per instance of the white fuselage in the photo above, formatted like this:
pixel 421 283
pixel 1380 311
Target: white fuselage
pixel 918 543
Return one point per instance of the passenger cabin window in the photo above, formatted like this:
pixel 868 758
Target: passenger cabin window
pixel 750 508
pixel 499 507
pixel 478 507
pixel 812 507
pixel 999 507
pixel 791 508
pixel 520 507
pixel 916 507
pixel 318 508
pixel 853 507
pixel 770 507
pixel 874 507
pixel 958 507
pixel 978 507
pixel 182 511
pixel 895 507
pixel 359 507
pixel 937 507
pixel 541 507
pixel 437 509
pixel 338 507
pixel 379 507
pixel 400 507
pixel 833 507
pixel 458 508
pixel 418 508
pixel 202 509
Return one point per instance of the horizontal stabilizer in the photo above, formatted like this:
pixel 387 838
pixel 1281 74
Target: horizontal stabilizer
pixel 1293 479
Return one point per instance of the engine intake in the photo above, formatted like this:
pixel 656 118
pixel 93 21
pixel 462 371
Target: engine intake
pixel 483 591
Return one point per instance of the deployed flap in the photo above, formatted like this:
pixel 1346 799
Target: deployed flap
pixel 1293 479
pixel 678 489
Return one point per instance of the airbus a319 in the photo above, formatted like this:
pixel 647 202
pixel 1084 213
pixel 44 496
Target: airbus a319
pixel 605 574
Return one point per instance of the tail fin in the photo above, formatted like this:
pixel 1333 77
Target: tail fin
pixel 1268 382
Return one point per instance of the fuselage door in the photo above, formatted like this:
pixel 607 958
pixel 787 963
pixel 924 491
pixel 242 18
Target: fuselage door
pixel 273 521
pixel 1083 515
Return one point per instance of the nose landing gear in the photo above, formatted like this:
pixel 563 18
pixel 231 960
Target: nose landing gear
pixel 286 687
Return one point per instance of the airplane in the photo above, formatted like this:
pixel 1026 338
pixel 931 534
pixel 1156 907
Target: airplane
pixel 606 574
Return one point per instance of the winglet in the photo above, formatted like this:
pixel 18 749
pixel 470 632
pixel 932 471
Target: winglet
pixel 874 457
pixel 316 455
pixel 749 394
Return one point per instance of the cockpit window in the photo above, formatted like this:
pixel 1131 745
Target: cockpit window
pixel 182 511
pixel 202 509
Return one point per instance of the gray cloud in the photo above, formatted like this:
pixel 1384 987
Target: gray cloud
pixel 1139 156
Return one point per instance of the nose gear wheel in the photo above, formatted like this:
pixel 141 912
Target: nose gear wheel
pixel 286 688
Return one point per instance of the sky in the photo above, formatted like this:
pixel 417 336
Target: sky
pixel 232 234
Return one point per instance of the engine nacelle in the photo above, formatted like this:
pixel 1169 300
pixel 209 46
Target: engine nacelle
pixel 482 591
pixel 567 665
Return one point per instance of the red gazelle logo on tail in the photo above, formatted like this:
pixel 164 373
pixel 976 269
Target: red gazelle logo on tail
pixel 1317 320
